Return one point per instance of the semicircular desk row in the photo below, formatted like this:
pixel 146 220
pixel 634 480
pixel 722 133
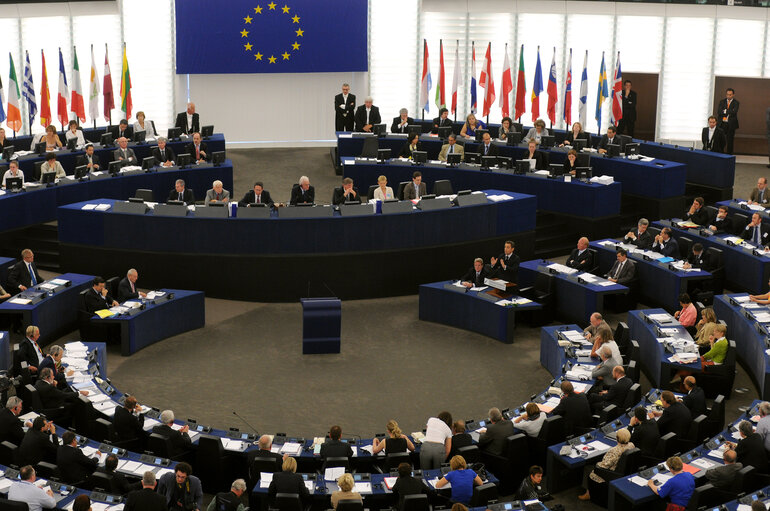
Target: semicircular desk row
pixel 315 250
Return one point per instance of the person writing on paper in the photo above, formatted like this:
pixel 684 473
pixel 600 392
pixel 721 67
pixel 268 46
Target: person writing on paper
pixel 697 214
pixel 51 165
pixel 471 125
pixel 476 275
pixel 756 233
pixel 534 154
pixel 462 480
pixel 574 408
pixel 217 193
pixel 26 491
pixel 721 223
pixel 665 245
pixel 415 190
pixel 574 133
pixel 98 298
pixel 750 449
pixel 127 287
pixel 760 195
pixel 163 154
pixel 623 270
pixel 53 361
pixel 383 192
pixel 124 154
pixel 640 238
pixel 51 139
pixel 142 125
pixel 401 122
pixel 13 171
pixel 506 266
pixel 644 432
pixel 346 484
pixel 596 321
pixel 609 460
pixel 679 488
pixel 687 314
pixel 605 370
pixel 570 164
pixel 531 421
pixel 74 133
pixel 451 147
pixel 396 442
pixel 722 476
pixel 698 259
pixel 442 121
pixel 506 127
pixel 73 465
pixel 412 145
pixel 535 134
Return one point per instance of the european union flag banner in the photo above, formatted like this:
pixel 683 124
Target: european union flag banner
pixel 253 36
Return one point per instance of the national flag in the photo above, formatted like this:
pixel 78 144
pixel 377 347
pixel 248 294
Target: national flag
pixel 507 85
pixel 617 94
pixel 486 81
pixel 64 93
pixel 76 103
pixel 45 96
pixel 14 112
pixel 553 95
pixel 125 87
pixel 537 88
pixel 473 78
pixel 582 105
pixel 93 89
pixel 2 101
pixel 441 87
pixel 109 97
pixel 521 87
pixel 602 93
pixel 568 93
pixel 28 91
pixel 456 78
pixel 425 82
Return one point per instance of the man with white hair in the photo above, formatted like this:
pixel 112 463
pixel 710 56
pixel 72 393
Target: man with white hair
pixel 401 122
pixel 146 499
pixel 229 499
pixel 492 439
pixel 11 429
pixel 180 440
pixel 344 107
pixel 217 193
pixel 164 155
pixel 302 193
pixel 367 115
pixel 124 154
pixel 181 193
pixel 188 121
pixel 127 287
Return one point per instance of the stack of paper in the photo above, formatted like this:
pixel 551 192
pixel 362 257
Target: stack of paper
pixel 363 487
pixel 333 473
pixel 499 197
pixel 19 301
pixel 291 448
pixel 265 478
pixel 433 482
pixel 704 463
pixel 549 405
pixel 233 445
pixel 562 268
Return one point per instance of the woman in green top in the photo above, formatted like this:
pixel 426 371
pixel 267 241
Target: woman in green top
pixel 719 344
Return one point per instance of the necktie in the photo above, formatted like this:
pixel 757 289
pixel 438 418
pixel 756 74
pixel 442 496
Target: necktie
pixel 32 275
pixel 180 195
pixel 258 199
pixel 197 152
pixel 162 154
pixel 38 350
pixel 367 116
pixel 761 196
pixel 451 149
pixel 756 236
pixel 486 149
pixel 133 290
pixel 617 271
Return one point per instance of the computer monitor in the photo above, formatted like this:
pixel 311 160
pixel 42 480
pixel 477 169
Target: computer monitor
pixel 504 162
pixel 556 169
pixel 8 152
pixel 13 183
pixel 583 160
pixel 453 158
pixel 513 138
pixel 383 155
pixel 583 172
pixel 140 136
pixel 105 140
pixel 464 192
pixel 613 150
pixel 218 158
pixel 183 160
pixel 522 166
pixel 579 144
pixel 148 163
pixel 473 158
pixel 48 178
pixel 547 141
pixel 174 133
pixel 114 167
pixel 517 126
pixel 444 132
pixel 480 135
pixel 487 162
pixel 414 127
pixel 428 196
pixel 419 157
pixel 207 131
pixel 81 171
pixel 379 130
pixel 138 200
pixel 632 148
pixel 40 148
pixel 72 144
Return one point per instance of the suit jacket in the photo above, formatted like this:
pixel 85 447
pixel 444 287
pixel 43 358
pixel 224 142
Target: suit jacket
pixel 127 425
pixel 74 465
pixel 409 191
pixel 765 200
pixel 95 301
pixel 629 106
pixel 125 292
pixel 626 275
pixel 204 148
pixel 722 476
pixel 700 217
pixel 339 196
pixel 10 427
pixel 584 261
pixel 36 447
pixel 643 240
pixel 167 487
pixel 717 142
pixel 128 159
pixel 539 158
pixel 168 154
pixel 265 453
pixel 396 121
pixel 438 122
pixel 116 132
pixel 459 441
pixel 180 441
pixel 339 99
pixel 511 271
pixel 212 195
pixel 145 500
pixel 51 397
pixel 119 485
pixel 288 482
pixel 493 441
pixel 470 276
pixel 723 225
pixel 300 197
pixel 731 113
pixel 250 198
pixel 646 436
pixel 83 160
pixel 48 362
pixel 570 138
pixel 187 196
pixel 676 418
pixel 695 401
pixel 335 449
pixel 19 276
pixel 764 235
pixel 576 412
pixel 669 249
pixel 181 122
pixel 604 370
pixel 493 150
pixel 374 117
pixel 28 353
pixel 406 151
pixel 751 451
pixel 702 261
pixel 617 393
pixel 445 150
pixel 605 141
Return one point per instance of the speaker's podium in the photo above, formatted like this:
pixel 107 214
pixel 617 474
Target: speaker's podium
pixel 321 325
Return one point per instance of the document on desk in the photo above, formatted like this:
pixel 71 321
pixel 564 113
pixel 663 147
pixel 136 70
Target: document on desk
pixel 104 313
pixel 265 478
pixel 88 207
pixel 608 243
pixel 333 473
pixel 741 298
pixel 638 480
pixel 363 487
pixel 291 448
pixel 683 358
pixel 192 434
pixel 91 453
pixel 479 288
pixel 389 482
pixel 499 197
pixel 5 484
pixel 20 301
pixel 549 405
pixel 562 268
pixel 150 423
pixel 131 467
pixel 233 445
pixel 433 482
pixel 97 398
pixel 704 463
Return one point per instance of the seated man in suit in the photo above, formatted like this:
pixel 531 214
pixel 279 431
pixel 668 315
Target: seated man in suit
pixel 615 394
pixel 89 159
pixel 303 192
pixel 217 193
pixel 609 138
pixel 644 432
pixel 40 443
pixel 188 121
pixel 232 499
pixel 487 148
pixel 451 147
pixel 198 149
pixel 721 222
pixel 756 233
pixel 164 155
pixel 605 371
pixel 333 447
pixel 10 426
pixel 695 400
pixel 180 440
pixel 146 499
pixel 181 487
pixel 128 422
pixel 713 137
pixel 52 398
pixel 181 193
pixel 30 351
pixel 256 196
pixel 24 274
pixel 640 238
pixel 697 214
pixel 367 115
pixel 722 476
pixel 265 451
pixel 492 439
pixel 51 165
pixel 346 193
pixel 442 121
pixel 119 485
pixel 506 266
pixel 698 258
pixel 74 466
pixel 415 190
pixel 476 275
pixel 760 195
pixel 581 258
pixel 124 154
pixel 122 130
pixel 676 417
pixel 98 297
pixel 750 449
pixel 665 245
pixel 401 122
pixel 574 408
pixel 596 323
pixel 127 287
pixel 622 270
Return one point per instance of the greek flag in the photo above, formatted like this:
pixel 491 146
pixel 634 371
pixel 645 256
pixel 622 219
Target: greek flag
pixel 28 91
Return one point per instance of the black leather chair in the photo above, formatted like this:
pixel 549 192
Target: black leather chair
pixel 287 502
pixel 628 463
pixel 401 186
pixel 551 432
pixel 31 397
pixel 112 286
pixel 719 379
pixel 337 462
pixel 685 247
pixel 8 453
pixel 634 396
pixel 695 435
pixel 512 466
pixel 470 453
pixel 417 502
pixel 350 505
pixel 12 505
pixel 259 464
pixel 632 371
pixel 482 495
pixel 102 430
pixel 542 292
pixel 370 193
pixel 98 481
pixel 210 464
pixel 442 187
pixel 160 446
pixel 740 221
pixel 716 415
pixel 717 259
pixel 393 460
pixel 703 497
pixel 622 337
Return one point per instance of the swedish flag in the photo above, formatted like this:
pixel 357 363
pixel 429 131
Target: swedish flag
pixel 602 93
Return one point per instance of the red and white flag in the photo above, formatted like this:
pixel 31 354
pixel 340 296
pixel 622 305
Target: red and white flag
pixel 617 94
pixel 507 82
pixel 64 93
pixel 456 78
pixel 77 105
pixel 487 82
pixel 425 82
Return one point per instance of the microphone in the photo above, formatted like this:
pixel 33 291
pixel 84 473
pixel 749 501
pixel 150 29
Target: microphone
pixel 246 422
pixel 328 288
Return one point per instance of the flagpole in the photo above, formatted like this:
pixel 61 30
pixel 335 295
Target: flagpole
pixel 549 79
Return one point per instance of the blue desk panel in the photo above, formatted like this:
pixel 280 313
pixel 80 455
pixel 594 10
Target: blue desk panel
pixel 5 351
pixel 101 355
pixel 5 266
pixel 552 356
pixel 734 207
pixel 703 167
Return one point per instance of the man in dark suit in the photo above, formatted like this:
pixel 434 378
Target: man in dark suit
pixel 581 258
pixel 727 112
pixel 666 245
pixel 622 270
pixel 493 439
pixel 506 266
pixel 265 451
pixel 128 423
pixel 24 274
pixel 189 121
pixel 346 193
pixel 119 485
pixel 10 426
pixel 333 447
pixel 74 466
pixel 442 121
pixel 644 432
pixel 50 396
pixel 609 138
pixel 122 130
pixel 180 440
pixel 695 400
pixel 29 350
pixel 626 123
pixel 146 499
pixel 615 394
pixel 417 189
pixel 487 148
pixel 401 123
pixel 640 237
pixel 475 276
pixel 750 450
pixel 164 155
pixel 124 154
pixel 573 408
pixel 198 149
pixel 698 258
pixel 697 213
pixel 756 233
pixel 40 443
pixel 344 108
pixel 256 196
pixel 232 499
pixel 181 193
pixel 98 298
pixel 127 287
pixel 367 115
pixel 675 417
pixel 760 195
pixel 303 192
pixel 712 137
pixel 722 476
pixel 89 159
pixel 721 222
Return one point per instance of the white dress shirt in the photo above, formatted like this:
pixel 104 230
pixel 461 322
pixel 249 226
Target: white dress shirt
pixel 36 498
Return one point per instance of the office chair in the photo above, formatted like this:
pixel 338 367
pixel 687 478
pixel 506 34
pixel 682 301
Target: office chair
pixel 287 502
pixel 417 502
pixel 484 495
pixel 442 187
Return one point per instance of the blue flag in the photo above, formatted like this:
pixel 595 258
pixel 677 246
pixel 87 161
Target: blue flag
pixel 28 92
pixel 602 93
pixel 254 36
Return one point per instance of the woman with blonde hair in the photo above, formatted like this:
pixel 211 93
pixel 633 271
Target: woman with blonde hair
pixel 51 139
pixel 346 484
pixel 610 459
pixel 462 480
pixel 704 329
pixel 383 192
pixel 396 441
pixel 471 125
